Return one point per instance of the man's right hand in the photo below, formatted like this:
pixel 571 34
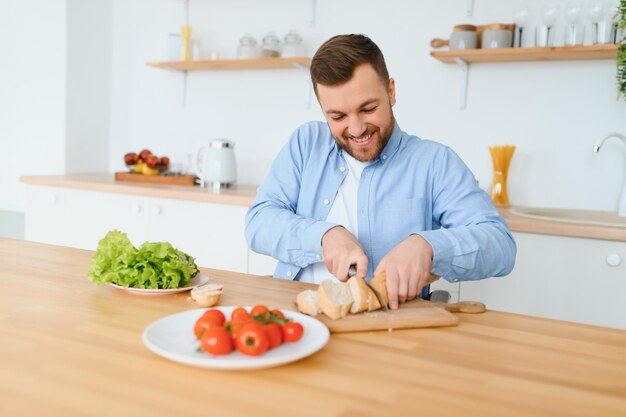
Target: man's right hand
pixel 341 249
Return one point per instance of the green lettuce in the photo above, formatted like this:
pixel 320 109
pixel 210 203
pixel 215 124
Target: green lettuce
pixel 153 265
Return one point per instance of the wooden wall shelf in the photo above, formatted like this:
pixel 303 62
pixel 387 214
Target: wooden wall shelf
pixel 235 64
pixel 559 53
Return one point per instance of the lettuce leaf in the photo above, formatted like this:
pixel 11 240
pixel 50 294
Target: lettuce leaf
pixel 153 265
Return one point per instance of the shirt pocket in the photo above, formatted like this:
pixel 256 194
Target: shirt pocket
pixel 401 217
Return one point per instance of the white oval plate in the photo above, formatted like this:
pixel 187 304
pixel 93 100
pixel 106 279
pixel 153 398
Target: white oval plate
pixel 172 337
pixel 199 279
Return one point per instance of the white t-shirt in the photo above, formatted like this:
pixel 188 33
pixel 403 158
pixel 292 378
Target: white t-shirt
pixel 342 212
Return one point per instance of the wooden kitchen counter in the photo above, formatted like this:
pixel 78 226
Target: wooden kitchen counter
pixel 243 195
pixel 70 348
pixel 240 194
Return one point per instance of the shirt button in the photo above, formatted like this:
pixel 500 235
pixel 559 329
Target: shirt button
pixel 326 201
pixel 289 273
pixel 384 157
pixel 342 169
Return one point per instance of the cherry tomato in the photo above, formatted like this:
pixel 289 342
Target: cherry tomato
pixel 216 341
pixel 292 331
pixel 217 315
pixel 260 310
pixel 278 313
pixel 238 313
pixel 275 334
pixel 234 325
pixel 252 340
pixel 203 323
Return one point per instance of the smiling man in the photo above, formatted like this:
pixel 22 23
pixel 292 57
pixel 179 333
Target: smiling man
pixel 357 190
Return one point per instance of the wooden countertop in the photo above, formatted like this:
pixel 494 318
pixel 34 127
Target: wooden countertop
pixel 240 194
pixel 70 348
pixel 244 195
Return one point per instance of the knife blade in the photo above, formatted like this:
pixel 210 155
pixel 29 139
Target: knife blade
pixel 377 294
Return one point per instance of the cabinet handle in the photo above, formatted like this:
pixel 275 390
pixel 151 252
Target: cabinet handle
pixel 156 210
pixel 135 208
pixel 613 259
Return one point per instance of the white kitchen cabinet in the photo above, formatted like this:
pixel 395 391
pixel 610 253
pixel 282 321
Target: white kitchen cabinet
pixel 45 215
pixel 89 215
pixel 562 278
pixel 260 264
pixel 212 233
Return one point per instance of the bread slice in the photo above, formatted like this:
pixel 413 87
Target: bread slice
pixel 307 302
pixel 334 298
pixel 207 295
pixel 380 283
pixel 360 294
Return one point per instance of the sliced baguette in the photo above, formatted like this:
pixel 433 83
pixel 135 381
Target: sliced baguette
pixel 360 294
pixel 207 295
pixel 334 298
pixel 380 283
pixel 307 302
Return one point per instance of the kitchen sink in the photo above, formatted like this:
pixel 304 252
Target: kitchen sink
pixel 596 218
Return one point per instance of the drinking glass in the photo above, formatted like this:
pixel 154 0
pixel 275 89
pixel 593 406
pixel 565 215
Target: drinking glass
pixel 521 18
pixel 548 17
pixel 573 32
pixel 595 12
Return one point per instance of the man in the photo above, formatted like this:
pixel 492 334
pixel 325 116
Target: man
pixel 360 191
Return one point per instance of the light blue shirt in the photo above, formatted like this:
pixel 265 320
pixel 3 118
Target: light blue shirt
pixel 415 187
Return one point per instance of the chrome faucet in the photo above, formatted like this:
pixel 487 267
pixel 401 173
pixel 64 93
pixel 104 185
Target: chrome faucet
pixel 621 208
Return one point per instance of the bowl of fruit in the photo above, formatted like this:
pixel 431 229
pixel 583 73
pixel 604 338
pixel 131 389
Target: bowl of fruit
pixel 146 163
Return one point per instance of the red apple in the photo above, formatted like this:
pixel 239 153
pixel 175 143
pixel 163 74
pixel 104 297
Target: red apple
pixel 144 154
pixel 165 161
pixel 130 158
pixel 152 161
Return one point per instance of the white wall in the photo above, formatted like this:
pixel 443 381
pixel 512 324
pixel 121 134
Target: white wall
pixel 552 111
pixel 55 89
pixel 32 98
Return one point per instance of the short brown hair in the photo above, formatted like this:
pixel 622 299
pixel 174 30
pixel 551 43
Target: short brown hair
pixel 335 61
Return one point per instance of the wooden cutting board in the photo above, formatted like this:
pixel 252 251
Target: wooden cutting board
pixel 156 179
pixel 414 314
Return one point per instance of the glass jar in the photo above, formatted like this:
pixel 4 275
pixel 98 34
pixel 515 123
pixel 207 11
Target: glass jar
pixel 248 48
pixel 292 45
pixel 270 46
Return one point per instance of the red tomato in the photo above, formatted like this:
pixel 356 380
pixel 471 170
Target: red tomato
pixel 217 315
pixel 234 325
pixel 292 331
pixel 252 340
pixel 216 341
pixel 239 313
pixel 204 323
pixel 260 310
pixel 275 334
pixel 278 313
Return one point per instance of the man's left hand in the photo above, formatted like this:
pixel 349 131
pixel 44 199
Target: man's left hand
pixel 407 267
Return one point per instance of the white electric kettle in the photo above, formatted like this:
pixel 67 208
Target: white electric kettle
pixel 214 163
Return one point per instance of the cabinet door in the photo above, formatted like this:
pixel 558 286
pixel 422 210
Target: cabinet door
pixel 260 264
pixel 92 214
pixel 562 278
pixel 211 233
pixel 44 217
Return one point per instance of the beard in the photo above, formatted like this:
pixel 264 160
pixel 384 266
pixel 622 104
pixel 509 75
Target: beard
pixel 373 150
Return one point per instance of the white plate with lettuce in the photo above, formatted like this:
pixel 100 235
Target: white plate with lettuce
pixel 196 281
pixel 153 268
